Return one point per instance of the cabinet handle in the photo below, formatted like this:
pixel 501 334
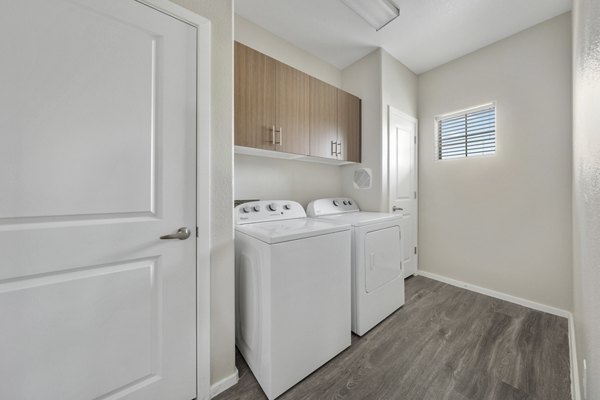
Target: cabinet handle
pixel 273 135
pixel 339 150
pixel 333 153
pixel 275 142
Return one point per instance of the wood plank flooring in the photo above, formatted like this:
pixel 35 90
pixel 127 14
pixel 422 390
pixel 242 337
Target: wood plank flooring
pixel 446 343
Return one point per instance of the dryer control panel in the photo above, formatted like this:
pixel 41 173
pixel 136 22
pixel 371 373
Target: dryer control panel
pixel 337 205
pixel 268 210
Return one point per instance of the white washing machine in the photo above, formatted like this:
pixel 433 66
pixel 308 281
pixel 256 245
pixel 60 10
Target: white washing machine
pixel 293 302
pixel 377 273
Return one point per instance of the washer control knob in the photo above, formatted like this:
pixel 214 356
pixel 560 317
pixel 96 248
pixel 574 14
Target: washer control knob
pixel 336 203
pixel 345 203
pixel 245 209
pixel 349 202
pixel 287 207
pixel 256 208
pixel 272 207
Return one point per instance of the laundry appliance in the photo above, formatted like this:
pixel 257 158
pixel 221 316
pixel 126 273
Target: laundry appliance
pixel 293 300
pixel 377 273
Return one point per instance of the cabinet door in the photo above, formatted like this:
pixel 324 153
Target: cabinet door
pixel 254 98
pixel 323 118
pixel 292 110
pixel 349 126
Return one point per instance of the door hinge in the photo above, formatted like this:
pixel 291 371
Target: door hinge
pixel 415 249
pixel 197 232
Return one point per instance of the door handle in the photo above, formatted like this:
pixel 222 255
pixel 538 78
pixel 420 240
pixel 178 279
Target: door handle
pixel 397 208
pixel 182 234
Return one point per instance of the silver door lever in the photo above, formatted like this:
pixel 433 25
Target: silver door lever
pixel 182 234
pixel 397 208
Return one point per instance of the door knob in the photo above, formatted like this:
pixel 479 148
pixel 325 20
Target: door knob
pixel 397 208
pixel 182 234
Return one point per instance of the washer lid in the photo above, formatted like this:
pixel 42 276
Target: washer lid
pixel 292 229
pixel 362 218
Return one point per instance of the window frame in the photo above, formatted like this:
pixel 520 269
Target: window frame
pixel 461 112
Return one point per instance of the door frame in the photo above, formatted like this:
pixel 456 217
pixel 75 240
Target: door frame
pixel 203 184
pixel 412 120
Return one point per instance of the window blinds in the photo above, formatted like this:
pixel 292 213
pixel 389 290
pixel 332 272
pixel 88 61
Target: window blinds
pixel 471 133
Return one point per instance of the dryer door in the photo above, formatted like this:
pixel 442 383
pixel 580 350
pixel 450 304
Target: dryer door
pixel 383 261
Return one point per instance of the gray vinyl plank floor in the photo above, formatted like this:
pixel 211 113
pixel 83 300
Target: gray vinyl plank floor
pixel 446 343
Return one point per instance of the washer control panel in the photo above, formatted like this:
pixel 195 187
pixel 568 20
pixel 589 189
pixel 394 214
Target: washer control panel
pixel 331 206
pixel 268 210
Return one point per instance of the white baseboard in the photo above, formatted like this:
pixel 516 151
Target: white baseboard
pixel 498 295
pixel 224 384
pixel 575 390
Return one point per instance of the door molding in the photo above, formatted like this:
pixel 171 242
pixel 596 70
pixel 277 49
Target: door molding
pixel 203 184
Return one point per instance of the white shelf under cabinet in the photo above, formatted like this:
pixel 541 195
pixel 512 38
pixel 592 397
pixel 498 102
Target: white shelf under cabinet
pixel 250 151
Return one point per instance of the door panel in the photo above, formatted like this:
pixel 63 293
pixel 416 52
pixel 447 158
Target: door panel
pixel 383 259
pixel 403 182
pixel 254 98
pixel 323 118
pixel 98 154
pixel 66 322
pixel 349 126
pixel 293 110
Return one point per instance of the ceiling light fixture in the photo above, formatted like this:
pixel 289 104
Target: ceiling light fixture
pixel 378 13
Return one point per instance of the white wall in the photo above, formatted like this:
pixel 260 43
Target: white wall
pixel 267 178
pixel 363 79
pixel 379 80
pixel 222 256
pixel 503 222
pixel 586 188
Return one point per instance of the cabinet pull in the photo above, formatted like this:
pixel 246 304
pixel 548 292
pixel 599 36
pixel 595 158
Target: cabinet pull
pixel 275 142
pixel 333 153
pixel 338 149
pixel 273 135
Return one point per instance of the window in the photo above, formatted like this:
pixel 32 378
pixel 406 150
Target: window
pixel 467 133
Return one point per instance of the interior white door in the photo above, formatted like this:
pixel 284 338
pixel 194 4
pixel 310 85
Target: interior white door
pixel 403 182
pixel 97 161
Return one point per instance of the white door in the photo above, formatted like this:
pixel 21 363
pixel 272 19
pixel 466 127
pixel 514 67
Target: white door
pixel 403 182
pixel 97 161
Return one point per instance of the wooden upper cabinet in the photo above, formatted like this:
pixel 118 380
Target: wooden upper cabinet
pixel 292 110
pixel 323 118
pixel 349 126
pixel 254 98
pixel 280 108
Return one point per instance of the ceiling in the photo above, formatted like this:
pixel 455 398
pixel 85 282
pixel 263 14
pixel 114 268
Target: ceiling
pixel 428 33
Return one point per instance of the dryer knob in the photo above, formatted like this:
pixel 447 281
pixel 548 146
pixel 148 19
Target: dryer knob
pixel 272 207
pixel 245 209
pixel 350 202
pixel 287 207
pixel 336 203
pixel 345 203
pixel 256 208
